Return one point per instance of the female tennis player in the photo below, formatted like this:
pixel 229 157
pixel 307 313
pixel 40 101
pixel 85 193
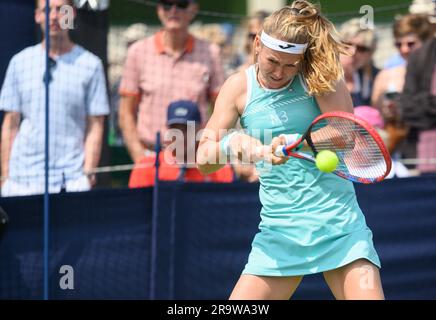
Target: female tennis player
pixel 310 221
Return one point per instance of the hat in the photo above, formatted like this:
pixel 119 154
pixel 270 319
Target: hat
pixel 182 111
pixel 371 115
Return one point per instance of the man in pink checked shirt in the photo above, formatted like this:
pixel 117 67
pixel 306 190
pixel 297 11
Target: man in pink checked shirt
pixel 170 65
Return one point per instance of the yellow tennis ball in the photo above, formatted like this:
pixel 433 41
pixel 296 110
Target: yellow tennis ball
pixel 326 161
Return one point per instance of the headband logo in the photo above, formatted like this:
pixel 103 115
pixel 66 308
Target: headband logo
pixel 288 46
pixel 283 46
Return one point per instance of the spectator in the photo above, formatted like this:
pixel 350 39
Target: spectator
pixel 78 103
pixel 418 102
pixel 254 28
pixel 359 68
pixel 219 34
pixel 175 161
pixel 168 66
pixel 410 32
pixel 417 7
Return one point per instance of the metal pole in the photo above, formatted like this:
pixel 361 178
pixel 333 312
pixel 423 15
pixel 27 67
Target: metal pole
pixel 46 193
pixel 154 223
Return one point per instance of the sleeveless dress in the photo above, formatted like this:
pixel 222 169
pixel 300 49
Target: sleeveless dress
pixel 310 220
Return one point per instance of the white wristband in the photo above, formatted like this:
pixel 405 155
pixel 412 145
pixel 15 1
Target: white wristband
pixel 225 143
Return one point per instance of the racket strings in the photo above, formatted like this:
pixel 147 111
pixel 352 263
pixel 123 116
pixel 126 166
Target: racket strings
pixel 358 152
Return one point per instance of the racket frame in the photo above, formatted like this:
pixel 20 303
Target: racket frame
pixel 288 150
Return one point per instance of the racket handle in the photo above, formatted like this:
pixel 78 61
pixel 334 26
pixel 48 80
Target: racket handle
pixel 280 151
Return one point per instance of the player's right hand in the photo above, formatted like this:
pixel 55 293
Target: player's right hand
pixel 278 141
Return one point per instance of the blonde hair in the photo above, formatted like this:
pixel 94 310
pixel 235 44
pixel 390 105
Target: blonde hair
pixel 302 22
pixel 352 28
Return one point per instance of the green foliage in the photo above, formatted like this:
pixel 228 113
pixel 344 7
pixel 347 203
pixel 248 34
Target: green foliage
pixel 125 12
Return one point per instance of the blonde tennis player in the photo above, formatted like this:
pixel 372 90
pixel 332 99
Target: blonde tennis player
pixel 310 221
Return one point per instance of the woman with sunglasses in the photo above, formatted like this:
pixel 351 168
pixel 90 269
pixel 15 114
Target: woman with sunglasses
pixel 254 27
pixel 310 221
pixel 359 69
pixel 409 32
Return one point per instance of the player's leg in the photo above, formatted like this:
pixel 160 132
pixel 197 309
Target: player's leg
pixel 359 280
pixel 251 287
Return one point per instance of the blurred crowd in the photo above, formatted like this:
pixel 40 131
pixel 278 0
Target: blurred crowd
pixel 169 78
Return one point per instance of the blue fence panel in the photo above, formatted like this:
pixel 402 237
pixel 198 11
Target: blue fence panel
pixel 204 233
pixel 103 235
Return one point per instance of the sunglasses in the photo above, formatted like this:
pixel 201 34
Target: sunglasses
pixel 167 5
pixel 251 36
pixel 359 48
pixel 409 44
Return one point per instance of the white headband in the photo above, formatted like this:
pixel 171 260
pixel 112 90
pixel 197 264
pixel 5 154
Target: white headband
pixel 279 45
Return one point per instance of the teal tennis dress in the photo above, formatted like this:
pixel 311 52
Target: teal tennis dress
pixel 310 220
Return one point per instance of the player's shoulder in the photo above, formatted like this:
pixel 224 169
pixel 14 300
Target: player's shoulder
pixel 237 80
pixel 235 84
pixel 235 87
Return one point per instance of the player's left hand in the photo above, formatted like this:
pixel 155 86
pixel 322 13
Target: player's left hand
pixel 277 141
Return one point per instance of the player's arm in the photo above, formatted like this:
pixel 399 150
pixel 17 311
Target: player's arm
pixel 11 124
pixel 127 121
pixel 93 144
pixel 242 147
pixel 338 100
pixel 210 157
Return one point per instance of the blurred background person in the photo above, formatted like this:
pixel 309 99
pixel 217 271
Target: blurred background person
pixel 170 65
pixel 359 68
pixel 222 36
pixel 177 160
pixel 373 117
pixel 254 27
pixel 78 104
pixel 416 7
pixel 410 32
pixel 417 102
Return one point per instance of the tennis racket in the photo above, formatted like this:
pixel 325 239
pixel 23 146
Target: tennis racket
pixel 362 155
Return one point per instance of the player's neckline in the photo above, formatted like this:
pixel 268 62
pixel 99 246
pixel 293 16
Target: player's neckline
pixel 255 67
